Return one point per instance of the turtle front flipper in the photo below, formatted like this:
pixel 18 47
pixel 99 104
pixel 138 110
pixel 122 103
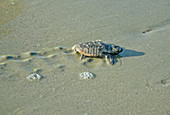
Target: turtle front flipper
pixel 82 56
pixel 110 59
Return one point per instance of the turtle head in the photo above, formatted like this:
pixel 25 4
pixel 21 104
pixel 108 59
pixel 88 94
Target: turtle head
pixel 116 49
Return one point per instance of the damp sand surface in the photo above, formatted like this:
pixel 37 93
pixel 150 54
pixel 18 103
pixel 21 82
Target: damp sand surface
pixel 138 83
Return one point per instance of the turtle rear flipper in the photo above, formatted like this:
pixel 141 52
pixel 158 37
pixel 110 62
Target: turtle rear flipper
pixel 82 56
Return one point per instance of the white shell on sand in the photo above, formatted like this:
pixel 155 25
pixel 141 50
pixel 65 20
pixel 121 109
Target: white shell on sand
pixel 87 75
pixel 34 77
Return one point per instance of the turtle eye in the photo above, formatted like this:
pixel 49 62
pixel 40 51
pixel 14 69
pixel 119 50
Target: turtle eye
pixel 118 49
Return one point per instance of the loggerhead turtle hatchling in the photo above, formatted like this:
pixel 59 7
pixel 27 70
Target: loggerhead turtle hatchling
pixel 98 49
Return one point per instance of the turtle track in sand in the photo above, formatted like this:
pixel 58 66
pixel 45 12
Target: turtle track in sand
pixel 27 56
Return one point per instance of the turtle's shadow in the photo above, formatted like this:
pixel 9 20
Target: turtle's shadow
pixel 125 53
pixel 131 53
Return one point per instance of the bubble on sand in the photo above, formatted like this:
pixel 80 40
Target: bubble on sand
pixel 87 75
pixel 34 77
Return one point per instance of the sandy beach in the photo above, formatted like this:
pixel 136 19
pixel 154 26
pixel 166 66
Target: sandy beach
pixel 137 84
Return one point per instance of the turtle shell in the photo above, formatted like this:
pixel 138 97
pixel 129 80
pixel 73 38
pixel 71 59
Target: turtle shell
pixel 92 48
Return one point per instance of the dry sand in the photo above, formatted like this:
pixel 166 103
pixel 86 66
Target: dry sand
pixel 139 82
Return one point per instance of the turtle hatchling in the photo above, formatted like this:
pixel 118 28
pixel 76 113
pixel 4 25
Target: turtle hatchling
pixel 98 48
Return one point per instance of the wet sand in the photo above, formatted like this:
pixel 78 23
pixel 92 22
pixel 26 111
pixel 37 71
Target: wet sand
pixel 138 83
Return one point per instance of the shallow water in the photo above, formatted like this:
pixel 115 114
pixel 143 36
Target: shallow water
pixel 138 83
